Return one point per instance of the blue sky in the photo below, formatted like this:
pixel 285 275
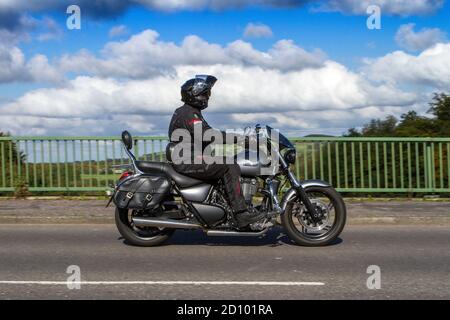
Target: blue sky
pixel 337 35
pixel 343 37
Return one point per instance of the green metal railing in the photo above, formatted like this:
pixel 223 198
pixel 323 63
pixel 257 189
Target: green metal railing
pixel 409 165
pixel 58 164
pixel 400 165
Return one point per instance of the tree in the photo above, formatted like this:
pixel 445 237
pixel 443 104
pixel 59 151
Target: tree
pixel 440 109
pixel 14 150
pixel 12 158
pixel 380 128
pixel 353 132
pixel 413 125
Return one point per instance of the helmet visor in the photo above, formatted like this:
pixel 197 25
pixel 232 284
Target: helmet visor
pixel 203 84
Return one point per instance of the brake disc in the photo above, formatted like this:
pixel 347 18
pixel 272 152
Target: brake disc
pixel 305 220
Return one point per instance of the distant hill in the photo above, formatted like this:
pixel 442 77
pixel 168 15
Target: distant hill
pixel 318 136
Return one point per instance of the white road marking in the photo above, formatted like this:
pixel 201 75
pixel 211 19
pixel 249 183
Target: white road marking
pixel 219 283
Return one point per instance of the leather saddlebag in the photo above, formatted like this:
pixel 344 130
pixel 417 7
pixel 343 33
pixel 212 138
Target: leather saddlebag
pixel 141 193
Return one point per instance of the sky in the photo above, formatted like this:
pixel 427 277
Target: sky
pixel 301 66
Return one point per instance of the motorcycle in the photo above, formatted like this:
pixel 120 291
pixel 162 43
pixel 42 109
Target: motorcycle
pixel 153 200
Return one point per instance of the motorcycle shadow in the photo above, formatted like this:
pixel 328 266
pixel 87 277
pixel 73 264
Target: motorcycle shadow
pixel 273 238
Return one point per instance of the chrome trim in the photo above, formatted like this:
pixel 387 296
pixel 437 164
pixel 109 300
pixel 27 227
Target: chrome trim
pixel 122 166
pixel 164 223
pixel 222 233
pixel 273 195
pixel 314 183
pixel 133 159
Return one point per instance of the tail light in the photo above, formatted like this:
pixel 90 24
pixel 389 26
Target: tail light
pixel 125 174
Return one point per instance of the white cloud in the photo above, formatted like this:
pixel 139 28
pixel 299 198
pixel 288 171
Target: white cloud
pixel 74 126
pixel 431 68
pixel 91 97
pixel 407 38
pixel 334 122
pixel 118 31
pixel 135 84
pixel 240 90
pixel 16 28
pixel 12 62
pixel 392 7
pixel 257 31
pixel 144 56
pixel 15 14
pixel 15 68
pixel 40 70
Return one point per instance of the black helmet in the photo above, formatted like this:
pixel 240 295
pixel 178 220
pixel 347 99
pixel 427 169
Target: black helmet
pixel 196 92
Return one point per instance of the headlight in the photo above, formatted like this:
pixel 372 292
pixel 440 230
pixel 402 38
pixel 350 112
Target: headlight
pixel 290 156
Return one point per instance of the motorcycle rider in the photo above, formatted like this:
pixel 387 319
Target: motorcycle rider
pixel 195 94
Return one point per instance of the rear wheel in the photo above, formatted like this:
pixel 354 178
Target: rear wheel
pixel 139 236
pixel 302 230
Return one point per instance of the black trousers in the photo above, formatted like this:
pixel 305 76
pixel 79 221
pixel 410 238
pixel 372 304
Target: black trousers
pixel 230 173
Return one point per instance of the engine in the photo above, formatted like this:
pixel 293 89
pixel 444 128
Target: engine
pixel 249 188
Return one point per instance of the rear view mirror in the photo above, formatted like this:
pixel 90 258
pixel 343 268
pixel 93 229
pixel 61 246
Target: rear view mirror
pixel 127 140
pixel 247 131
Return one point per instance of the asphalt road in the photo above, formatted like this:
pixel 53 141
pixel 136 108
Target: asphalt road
pixel 359 211
pixel 414 263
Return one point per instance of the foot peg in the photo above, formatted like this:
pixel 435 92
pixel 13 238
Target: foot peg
pixel 261 225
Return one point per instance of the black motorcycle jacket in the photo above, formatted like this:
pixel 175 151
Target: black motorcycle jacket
pixel 191 118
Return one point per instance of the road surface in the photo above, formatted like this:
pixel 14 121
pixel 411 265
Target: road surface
pixel 414 262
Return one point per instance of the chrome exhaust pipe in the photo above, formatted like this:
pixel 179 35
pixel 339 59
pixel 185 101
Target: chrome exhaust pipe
pixel 222 233
pixel 164 223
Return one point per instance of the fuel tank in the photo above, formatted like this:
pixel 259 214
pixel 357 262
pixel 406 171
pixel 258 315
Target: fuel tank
pixel 251 164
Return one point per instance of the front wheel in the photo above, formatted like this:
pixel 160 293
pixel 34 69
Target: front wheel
pixel 139 236
pixel 302 230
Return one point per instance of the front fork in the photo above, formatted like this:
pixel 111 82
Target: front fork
pixel 310 207
pixel 271 192
pixel 301 194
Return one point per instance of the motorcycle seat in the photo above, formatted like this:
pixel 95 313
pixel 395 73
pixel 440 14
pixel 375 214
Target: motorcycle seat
pixel 167 169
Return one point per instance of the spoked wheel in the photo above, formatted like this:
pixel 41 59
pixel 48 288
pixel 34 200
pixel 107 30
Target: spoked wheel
pixel 139 236
pixel 303 230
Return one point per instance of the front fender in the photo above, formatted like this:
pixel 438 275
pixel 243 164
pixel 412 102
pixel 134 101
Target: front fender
pixel 291 193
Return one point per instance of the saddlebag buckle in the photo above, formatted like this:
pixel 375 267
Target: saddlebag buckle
pixel 130 195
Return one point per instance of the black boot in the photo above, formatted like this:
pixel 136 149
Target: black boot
pixel 249 216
